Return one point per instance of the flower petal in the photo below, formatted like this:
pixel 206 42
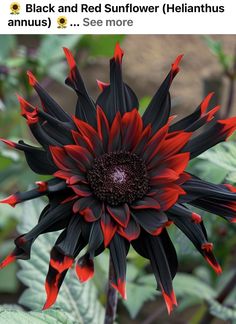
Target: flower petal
pixel 150 220
pixel 109 227
pixel 121 214
pixel 85 108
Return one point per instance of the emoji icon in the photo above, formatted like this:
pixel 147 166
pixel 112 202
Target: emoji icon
pixel 62 22
pixel 15 8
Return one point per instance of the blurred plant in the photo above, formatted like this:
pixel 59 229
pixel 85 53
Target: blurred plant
pixel 228 65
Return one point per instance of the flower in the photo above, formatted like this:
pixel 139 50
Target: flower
pixel 119 179
pixel 62 22
pixel 15 8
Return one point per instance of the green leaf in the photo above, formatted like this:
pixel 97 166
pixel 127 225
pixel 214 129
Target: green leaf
pixel 140 289
pixel 138 293
pixel 221 311
pixel 216 163
pixel 11 316
pixel 222 155
pixel 217 49
pixel 186 284
pixel 78 301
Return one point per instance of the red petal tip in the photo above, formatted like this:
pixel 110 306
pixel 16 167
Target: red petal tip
pixel 169 223
pixel 52 292
pixel 215 266
pixel 9 259
pixel 7 142
pixel 84 269
pixel 11 200
pixel 170 301
pixel 211 113
pixel 32 79
pixel 118 54
pixel 42 186
pixel 33 118
pixel 120 287
pixel 70 58
pixel 196 218
pixel 229 125
pixel 230 187
pixel 27 110
pixel 208 247
pixel 205 102
pixel 66 263
pixel 102 85
pixel 157 232
pixel 171 118
pixel 175 66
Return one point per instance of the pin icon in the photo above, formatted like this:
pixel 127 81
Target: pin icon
pixel 15 8
pixel 62 22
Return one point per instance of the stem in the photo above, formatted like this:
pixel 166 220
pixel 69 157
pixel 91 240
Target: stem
pixel 112 298
pixel 223 294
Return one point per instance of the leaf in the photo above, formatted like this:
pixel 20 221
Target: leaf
pixel 140 289
pixel 221 311
pixel 207 170
pixel 138 293
pixel 222 155
pixel 11 316
pixel 217 49
pixel 186 284
pixel 78 301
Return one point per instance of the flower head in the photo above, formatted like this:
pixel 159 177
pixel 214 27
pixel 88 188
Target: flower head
pixel 15 8
pixel 62 22
pixel 118 178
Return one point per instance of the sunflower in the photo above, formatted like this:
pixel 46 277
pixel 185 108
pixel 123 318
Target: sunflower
pixel 15 8
pixel 119 179
pixel 62 22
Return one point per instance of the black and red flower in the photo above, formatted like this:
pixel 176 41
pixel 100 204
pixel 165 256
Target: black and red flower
pixel 118 178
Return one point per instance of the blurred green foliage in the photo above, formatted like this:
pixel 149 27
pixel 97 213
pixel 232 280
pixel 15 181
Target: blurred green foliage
pixel 217 49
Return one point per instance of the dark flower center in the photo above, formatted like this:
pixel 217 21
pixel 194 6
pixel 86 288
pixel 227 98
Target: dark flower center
pixel 62 20
pixel 15 7
pixel 118 178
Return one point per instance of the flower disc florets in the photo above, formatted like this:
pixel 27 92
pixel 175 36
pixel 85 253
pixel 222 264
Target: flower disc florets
pixel 118 178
